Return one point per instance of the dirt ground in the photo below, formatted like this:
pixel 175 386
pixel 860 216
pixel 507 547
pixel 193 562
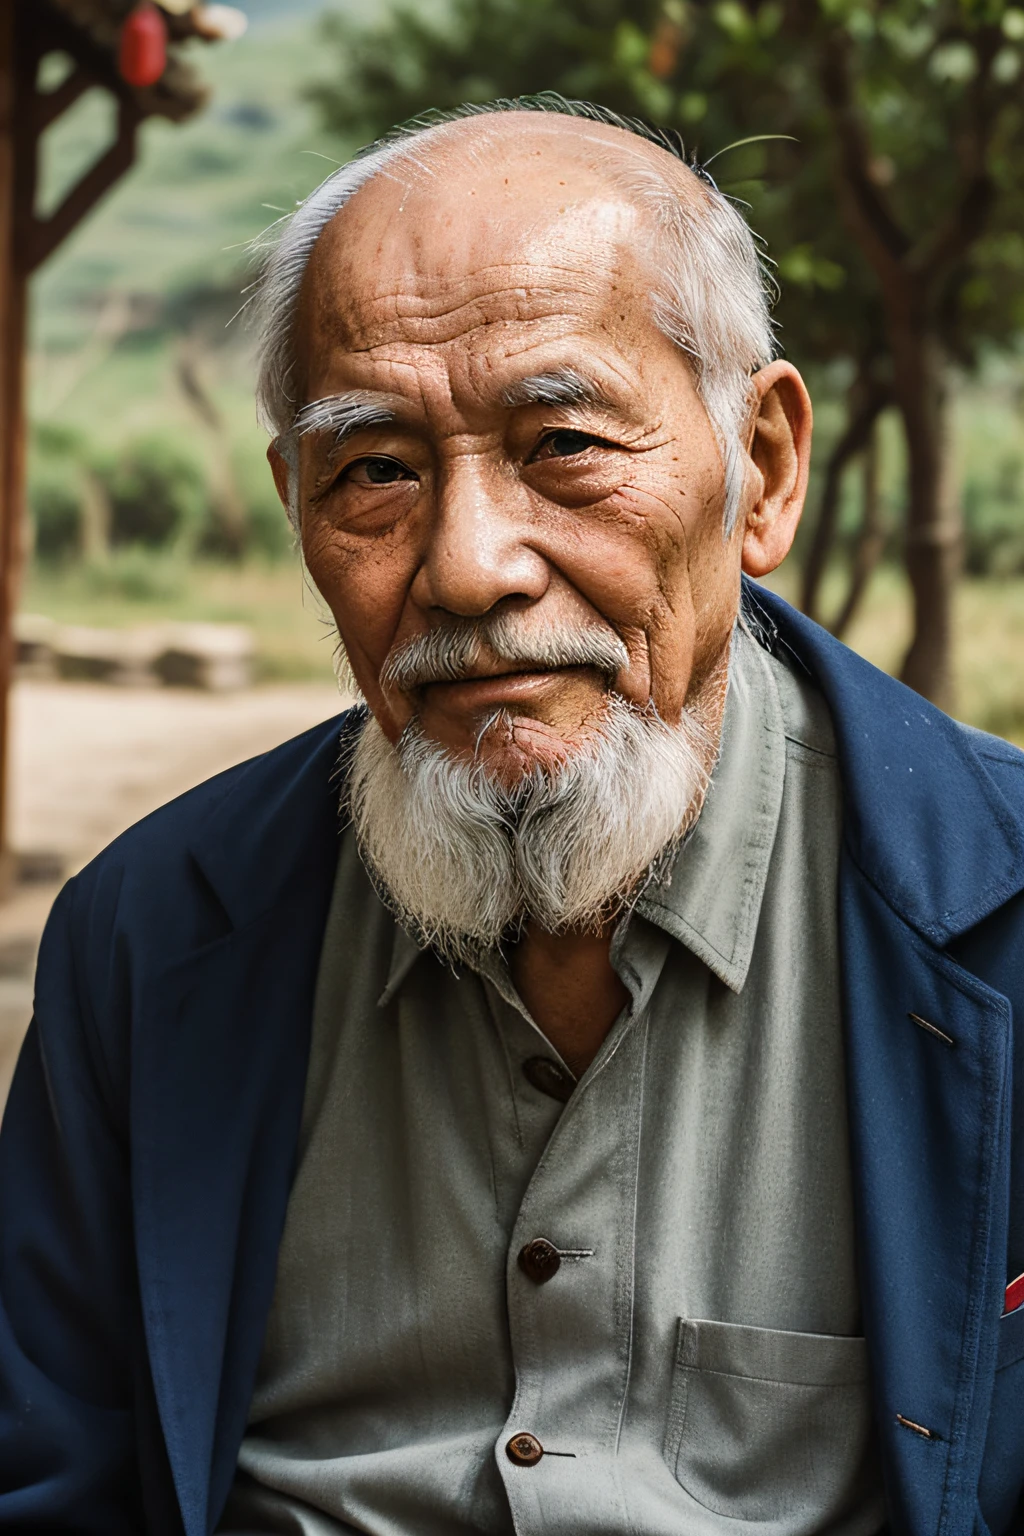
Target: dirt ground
pixel 87 762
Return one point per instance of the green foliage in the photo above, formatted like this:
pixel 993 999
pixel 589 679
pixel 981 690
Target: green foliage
pixel 55 500
pixel 55 507
pixel 993 525
pixel 925 71
pixel 156 504
pixel 477 50
pixel 270 534
pixel 136 574
pixel 157 493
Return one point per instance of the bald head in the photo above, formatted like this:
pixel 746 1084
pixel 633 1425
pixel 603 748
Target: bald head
pixel 480 211
pixel 526 169
pixel 542 194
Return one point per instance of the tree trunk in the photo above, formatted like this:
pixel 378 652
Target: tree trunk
pixel 870 541
pixel 933 537
pixel 865 403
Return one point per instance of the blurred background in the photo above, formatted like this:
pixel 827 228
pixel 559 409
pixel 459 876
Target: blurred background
pixel 160 624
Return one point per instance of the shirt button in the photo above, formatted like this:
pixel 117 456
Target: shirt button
pixel 549 1077
pixel 524 1450
pixel 539 1260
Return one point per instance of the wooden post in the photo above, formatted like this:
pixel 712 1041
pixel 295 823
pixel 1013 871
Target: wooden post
pixel 26 241
pixel 12 365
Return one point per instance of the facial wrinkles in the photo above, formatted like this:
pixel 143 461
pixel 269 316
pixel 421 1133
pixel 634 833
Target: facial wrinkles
pixel 444 328
pixel 430 264
pixel 489 305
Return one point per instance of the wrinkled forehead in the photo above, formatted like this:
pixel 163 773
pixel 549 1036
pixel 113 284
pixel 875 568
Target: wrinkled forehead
pixel 482 223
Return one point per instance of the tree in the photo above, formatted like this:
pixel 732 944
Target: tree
pixel 893 211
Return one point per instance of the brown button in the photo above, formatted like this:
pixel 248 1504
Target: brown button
pixel 524 1450
pixel 549 1077
pixel 539 1260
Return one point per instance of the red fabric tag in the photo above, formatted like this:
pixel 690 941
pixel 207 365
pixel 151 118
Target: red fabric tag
pixel 1014 1295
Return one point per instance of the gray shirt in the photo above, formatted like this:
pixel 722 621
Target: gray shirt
pixel 694 1359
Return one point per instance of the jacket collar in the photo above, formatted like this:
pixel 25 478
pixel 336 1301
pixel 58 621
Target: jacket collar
pixel 280 819
pixel 925 819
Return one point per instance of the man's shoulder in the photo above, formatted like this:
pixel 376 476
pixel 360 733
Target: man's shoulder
pixel 995 749
pixel 881 705
pixel 933 809
pixel 152 878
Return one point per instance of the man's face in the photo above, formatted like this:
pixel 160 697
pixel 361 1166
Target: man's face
pixel 463 304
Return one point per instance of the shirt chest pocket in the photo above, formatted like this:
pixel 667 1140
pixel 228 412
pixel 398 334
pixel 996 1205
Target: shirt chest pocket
pixel 770 1426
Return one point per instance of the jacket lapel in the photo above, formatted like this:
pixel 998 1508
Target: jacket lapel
pixel 929 1067
pixel 220 1051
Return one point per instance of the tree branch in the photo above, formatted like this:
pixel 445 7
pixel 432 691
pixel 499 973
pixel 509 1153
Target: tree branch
pixel 933 256
pixel 870 540
pixel 884 241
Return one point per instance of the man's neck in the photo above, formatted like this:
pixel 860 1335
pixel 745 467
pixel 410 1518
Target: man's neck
pixel 571 989
pixel 567 980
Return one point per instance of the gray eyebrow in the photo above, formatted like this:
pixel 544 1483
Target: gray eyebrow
pixel 356 410
pixel 341 415
pixel 557 386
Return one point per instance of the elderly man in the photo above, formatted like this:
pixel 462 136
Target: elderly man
pixel 611 1122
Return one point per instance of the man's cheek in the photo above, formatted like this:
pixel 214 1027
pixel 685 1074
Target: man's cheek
pixel 351 572
pixel 325 557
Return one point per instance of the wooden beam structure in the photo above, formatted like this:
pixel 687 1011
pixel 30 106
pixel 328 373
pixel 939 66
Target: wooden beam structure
pixel 29 30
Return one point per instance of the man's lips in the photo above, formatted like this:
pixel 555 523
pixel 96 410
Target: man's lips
pixel 473 693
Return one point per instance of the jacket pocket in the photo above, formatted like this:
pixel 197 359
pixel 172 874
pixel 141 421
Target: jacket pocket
pixel 767 1426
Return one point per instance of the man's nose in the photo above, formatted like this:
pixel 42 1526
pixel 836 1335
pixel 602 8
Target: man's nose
pixel 478 549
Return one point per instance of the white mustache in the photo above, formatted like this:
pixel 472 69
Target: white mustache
pixel 449 653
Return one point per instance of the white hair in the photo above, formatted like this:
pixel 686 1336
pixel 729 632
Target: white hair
pixel 711 293
pixel 463 862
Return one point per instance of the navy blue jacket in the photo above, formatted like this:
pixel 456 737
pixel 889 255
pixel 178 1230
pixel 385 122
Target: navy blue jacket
pixel 149 1141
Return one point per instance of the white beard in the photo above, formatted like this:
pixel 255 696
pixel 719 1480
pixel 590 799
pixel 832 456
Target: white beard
pixel 462 862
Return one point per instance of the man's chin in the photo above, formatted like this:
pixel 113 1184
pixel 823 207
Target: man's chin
pixel 513 748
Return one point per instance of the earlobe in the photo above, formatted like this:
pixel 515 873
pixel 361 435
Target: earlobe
pixel 780 446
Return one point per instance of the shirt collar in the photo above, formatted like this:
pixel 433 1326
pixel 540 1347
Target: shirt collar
pixel 711 898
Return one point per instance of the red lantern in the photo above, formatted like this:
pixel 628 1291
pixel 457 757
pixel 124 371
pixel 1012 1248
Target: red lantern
pixel 142 57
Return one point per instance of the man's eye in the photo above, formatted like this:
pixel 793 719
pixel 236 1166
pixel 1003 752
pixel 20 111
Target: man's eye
pixel 376 470
pixel 564 444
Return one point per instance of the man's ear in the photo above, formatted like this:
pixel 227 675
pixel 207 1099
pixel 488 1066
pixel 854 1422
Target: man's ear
pixel 285 477
pixel 780 447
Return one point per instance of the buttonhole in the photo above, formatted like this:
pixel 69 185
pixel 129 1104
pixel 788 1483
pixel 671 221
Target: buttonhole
pixel 933 1029
pixel 919 1429
pixel 571 1455
pixel 575 1253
